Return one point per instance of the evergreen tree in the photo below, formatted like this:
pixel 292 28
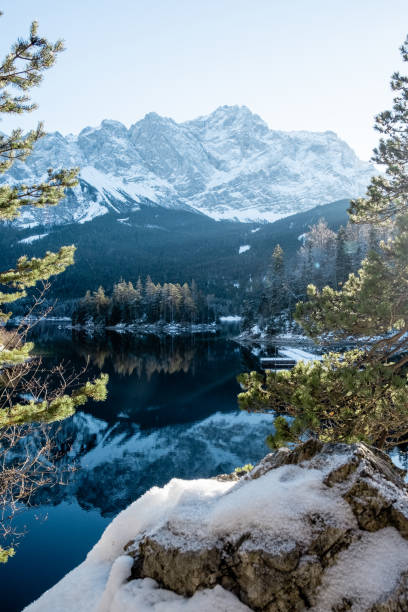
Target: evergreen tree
pixel 102 304
pixel 138 303
pixel 151 301
pixel 321 244
pixel 189 306
pixel 272 301
pixel 361 394
pixel 21 70
pixel 278 261
pixel 343 262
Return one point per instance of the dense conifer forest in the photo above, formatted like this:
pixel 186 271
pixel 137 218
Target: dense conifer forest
pixel 146 302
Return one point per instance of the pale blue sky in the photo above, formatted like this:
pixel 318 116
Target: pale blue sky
pixel 300 64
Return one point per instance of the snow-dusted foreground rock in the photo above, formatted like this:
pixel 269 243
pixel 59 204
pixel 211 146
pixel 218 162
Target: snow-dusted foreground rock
pixel 322 527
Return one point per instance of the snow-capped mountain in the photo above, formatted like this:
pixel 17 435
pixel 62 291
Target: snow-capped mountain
pixel 227 165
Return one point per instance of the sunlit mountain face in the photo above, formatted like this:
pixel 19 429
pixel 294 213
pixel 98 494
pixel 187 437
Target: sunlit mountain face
pixel 227 165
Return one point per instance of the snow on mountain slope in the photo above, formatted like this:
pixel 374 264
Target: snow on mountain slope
pixel 268 174
pixel 228 165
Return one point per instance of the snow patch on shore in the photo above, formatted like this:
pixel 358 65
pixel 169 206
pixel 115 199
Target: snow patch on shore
pixel 299 355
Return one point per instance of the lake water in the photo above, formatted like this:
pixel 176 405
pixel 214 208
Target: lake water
pixel 171 412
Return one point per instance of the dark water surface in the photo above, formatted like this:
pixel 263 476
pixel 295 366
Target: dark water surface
pixel 171 412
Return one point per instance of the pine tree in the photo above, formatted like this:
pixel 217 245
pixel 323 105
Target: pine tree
pixel 271 302
pixel 138 305
pixel 320 244
pixel 189 307
pixel 102 305
pixel 343 262
pixel 23 69
pixel 361 394
pixel 278 265
pixel 152 296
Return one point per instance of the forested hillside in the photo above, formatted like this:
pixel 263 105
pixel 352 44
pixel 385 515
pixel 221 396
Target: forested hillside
pixel 171 246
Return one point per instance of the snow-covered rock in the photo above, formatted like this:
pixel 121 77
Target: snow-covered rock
pixel 228 165
pixel 321 527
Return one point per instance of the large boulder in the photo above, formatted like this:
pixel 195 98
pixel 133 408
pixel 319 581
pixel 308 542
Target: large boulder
pixel 321 527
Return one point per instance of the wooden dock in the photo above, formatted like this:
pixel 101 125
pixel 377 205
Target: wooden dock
pixel 277 363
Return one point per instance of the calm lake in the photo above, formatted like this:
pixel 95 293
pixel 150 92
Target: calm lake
pixel 171 412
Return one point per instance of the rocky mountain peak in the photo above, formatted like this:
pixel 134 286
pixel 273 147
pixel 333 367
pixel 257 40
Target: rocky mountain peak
pixel 113 126
pixel 228 165
pixel 230 118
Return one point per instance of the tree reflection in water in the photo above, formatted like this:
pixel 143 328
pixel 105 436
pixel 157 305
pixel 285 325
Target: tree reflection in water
pixel 143 355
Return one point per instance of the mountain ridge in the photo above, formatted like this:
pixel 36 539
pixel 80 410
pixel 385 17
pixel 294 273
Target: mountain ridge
pixel 227 165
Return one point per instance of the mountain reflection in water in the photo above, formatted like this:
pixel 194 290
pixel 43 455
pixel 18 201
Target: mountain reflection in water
pixel 171 412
